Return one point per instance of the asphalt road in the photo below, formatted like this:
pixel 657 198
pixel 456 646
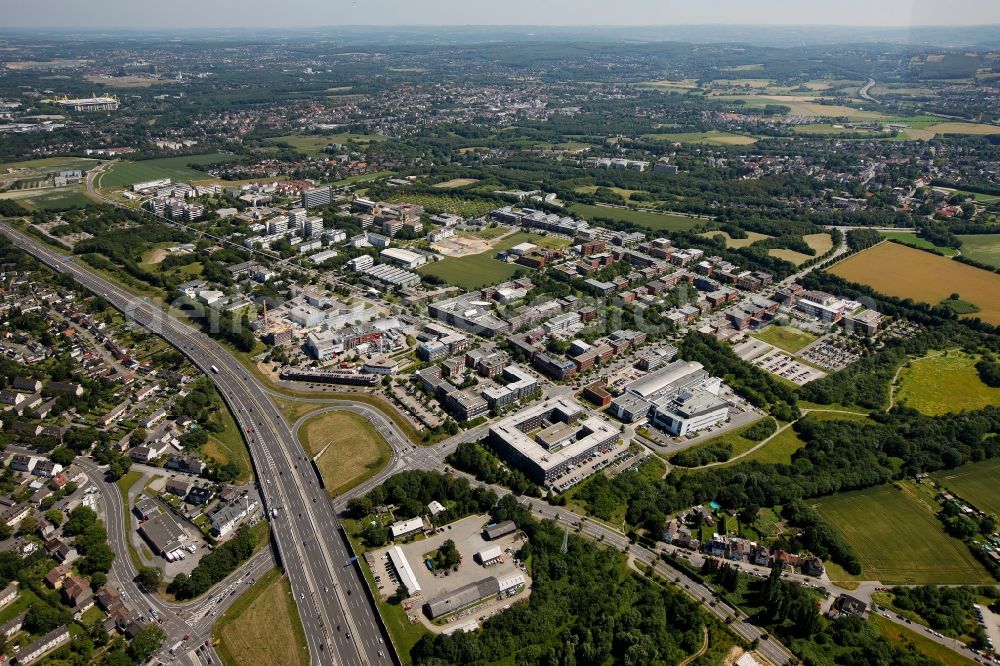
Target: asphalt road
pixel 341 623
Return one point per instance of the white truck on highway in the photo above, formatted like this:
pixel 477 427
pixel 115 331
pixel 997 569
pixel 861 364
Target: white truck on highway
pixel 215 370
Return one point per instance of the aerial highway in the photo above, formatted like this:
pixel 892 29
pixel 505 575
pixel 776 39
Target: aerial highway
pixel 341 623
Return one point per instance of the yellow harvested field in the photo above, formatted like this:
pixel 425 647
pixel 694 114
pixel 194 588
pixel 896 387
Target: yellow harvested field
pixel 456 182
pixel 267 630
pixel 963 128
pixel 349 449
pixel 822 243
pixel 905 272
pixel 752 237
pixel 792 256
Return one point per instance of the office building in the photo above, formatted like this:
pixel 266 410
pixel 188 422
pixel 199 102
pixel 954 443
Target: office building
pixel 314 198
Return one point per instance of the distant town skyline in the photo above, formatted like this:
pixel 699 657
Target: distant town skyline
pixel 112 14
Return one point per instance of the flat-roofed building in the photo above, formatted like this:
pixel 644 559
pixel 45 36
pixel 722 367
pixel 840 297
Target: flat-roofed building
pixel 690 410
pixel 404 528
pixel 463 597
pixel 403 571
pixel 548 439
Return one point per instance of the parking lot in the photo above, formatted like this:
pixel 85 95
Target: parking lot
pixel 826 355
pixel 467 535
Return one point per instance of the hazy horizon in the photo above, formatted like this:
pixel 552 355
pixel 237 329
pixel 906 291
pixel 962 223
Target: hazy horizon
pixel 315 14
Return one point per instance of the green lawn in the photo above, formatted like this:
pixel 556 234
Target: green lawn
pixel 654 221
pixel 899 539
pixel 778 450
pixel 124 485
pixel 473 271
pixel 789 338
pixel 913 240
pixel 736 439
pixel 984 248
pixel 976 483
pixel 315 143
pixel 940 383
pixel 124 174
pixel 228 445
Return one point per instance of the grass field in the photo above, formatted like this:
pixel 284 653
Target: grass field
pixel 620 191
pixel 938 384
pixel 479 270
pixel 315 143
pixel 975 482
pixel 898 538
pixel 821 243
pixel 964 128
pixel 905 272
pixel 789 338
pixel 51 164
pixel 712 137
pixel 830 128
pixel 917 644
pixel 654 221
pixel 228 445
pixel 790 256
pixel 913 240
pixel 49 199
pixel 456 182
pixel 984 248
pixel 352 450
pixel 752 237
pixel 446 203
pixel 736 439
pixel 124 174
pixel 779 450
pixel 262 626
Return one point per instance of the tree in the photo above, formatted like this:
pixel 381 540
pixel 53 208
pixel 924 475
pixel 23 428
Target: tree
pixel 42 617
pixel 146 642
pixel 54 516
pixel 62 456
pixel 27 526
pixel 149 578
pixel 80 520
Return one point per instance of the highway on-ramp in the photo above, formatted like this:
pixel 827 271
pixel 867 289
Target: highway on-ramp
pixel 341 622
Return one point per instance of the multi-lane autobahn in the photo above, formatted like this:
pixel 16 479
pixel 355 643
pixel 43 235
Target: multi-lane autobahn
pixel 341 624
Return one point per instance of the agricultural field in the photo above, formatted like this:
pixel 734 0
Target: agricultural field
pixel 975 482
pixel 349 449
pixel 831 128
pixel 50 199
pixel 801 105
pixel 898 538
pixel 123 174
pixel 654 221
pixel 712 137
pixel 984 248
pixel 913 240
pixel 897 270
pixel 944 382
pixel 789 338
pixel 752 237
pixel 964 128
pixel 263 626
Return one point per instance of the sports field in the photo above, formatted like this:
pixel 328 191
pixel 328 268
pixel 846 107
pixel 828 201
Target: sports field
pixel 712 137
pixel 975 482
pixel 51 164
pixel 752 237
pixel 263 626
pixel 984 248
pixel 124 174
pixel 789 338
pixel 349 449
pixel 938 384
pixel 904 272
pixel 898 538
pixel 654 221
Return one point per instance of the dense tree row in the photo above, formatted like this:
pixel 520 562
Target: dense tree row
pixel 215 566
pixel 472 458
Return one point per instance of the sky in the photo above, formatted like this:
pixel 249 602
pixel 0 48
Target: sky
pixel 317 13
